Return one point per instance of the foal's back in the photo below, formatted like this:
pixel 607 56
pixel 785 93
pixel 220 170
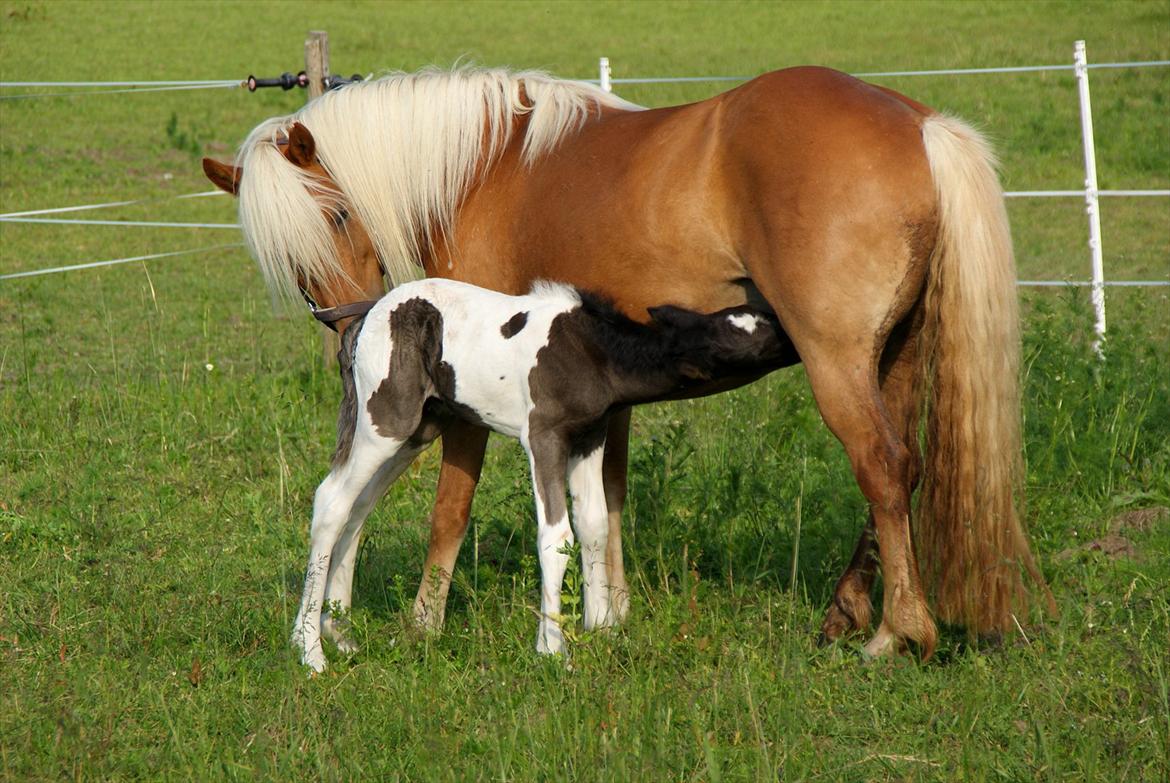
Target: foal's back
pixel 469 347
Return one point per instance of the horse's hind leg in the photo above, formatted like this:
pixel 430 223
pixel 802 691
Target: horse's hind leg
pixel 851 608
pixel 463 450
pixel 334 506
pixel 847 393
pixel 339 585
pixel 590 523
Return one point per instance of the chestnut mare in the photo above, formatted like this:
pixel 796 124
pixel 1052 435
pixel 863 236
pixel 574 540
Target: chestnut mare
pixel 872 226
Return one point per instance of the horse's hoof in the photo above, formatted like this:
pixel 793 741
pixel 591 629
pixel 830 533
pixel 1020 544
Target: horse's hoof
pixel 428 620
pixel 840 622
pixel 620 606
pixel 884 644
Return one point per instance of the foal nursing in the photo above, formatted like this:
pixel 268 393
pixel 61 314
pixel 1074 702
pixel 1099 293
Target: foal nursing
pixel 547 368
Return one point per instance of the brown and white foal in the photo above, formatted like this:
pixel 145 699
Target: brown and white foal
pixel 548 368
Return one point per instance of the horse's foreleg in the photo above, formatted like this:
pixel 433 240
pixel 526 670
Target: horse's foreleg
pixel 463 450
pixel 333 506
pixel 339 585
pixel 614 471
pixel 547 455
pixel 591 525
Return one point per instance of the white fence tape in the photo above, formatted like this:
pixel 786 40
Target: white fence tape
pixel 114 261
pixel 108 204
pixel 124 223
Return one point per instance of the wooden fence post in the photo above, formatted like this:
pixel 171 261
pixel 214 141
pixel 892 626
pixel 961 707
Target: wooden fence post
pixel 317 69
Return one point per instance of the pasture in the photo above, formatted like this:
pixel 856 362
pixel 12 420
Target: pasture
pixel 162 430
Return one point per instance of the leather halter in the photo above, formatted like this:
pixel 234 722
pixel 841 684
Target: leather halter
pixel 331 315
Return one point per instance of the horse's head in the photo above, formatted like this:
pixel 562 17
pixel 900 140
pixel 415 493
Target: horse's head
pixel 299 226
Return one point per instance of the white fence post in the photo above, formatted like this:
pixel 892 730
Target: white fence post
pixel 1091 194
pixel 603 69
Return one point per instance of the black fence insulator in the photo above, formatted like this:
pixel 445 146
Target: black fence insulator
pixel 335 81
pixel 286 81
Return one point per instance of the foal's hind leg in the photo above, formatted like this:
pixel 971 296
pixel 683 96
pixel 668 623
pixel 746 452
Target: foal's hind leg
pixel 548 455
pixel 590 523
pixel 851 608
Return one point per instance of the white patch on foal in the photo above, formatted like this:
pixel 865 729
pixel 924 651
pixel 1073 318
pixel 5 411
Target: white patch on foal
pixel 745 321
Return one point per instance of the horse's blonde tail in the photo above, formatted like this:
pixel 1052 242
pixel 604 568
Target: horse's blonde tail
pixel 969 535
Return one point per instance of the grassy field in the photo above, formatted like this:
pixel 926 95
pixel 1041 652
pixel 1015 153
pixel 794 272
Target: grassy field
pixel 162 432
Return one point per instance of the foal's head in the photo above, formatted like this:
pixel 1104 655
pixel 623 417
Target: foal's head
pixel 318 247
pixel 734 341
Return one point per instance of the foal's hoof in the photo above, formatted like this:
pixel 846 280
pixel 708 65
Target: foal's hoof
pixel 315 660
pixel 338 632
pixel 347 646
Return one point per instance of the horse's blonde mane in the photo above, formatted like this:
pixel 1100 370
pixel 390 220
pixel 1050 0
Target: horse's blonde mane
pixel 404 150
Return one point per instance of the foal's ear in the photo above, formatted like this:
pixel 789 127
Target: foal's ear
pixel 669 315
pixel 302 147
pixel 224 176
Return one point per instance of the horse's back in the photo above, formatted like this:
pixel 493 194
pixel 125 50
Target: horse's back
pixel 690 204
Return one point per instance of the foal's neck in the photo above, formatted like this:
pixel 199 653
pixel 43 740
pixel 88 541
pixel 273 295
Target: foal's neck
pixel 643 362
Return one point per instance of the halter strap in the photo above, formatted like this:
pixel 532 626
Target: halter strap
pixel 331 315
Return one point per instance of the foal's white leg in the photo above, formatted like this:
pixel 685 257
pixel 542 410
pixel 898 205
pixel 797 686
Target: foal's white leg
pixel 339 584
pixel 591 522
pixel 547 459
pixel 333 506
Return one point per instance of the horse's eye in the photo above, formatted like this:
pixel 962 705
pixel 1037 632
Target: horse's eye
pixel 340 216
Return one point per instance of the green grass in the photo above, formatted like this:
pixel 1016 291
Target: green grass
pixel 161 435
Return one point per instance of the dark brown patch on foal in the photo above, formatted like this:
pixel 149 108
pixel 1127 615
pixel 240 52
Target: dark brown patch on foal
pixel 514 325
pixel 396 406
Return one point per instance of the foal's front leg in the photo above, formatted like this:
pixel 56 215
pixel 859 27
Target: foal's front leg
pixel 335 506
pixel 547 455
pixel 339 585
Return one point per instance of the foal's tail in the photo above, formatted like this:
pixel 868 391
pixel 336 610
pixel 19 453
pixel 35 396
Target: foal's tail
pixel 969 534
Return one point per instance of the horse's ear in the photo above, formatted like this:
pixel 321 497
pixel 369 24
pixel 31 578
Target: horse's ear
pixel 522 95
pixel 302 147
pixel 224 176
